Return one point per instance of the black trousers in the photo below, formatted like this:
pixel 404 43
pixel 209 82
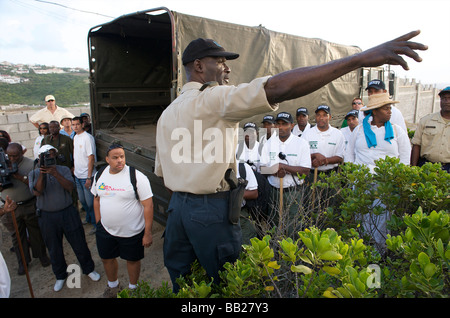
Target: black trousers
pixel 65 222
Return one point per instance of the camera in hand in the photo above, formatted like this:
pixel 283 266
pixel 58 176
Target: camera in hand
pixel 7 168
pixel 46 159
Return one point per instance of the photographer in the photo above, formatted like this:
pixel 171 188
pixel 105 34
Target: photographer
pixel 52 184
pixel 16 188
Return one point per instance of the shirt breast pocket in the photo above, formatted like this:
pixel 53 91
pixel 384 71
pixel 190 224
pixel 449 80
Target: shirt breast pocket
pixel 429 133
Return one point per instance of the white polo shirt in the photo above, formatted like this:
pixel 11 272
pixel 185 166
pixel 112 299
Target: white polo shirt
pixel 358 152
pixel 297 154
pixel 329 143
pixel 247 154
pixel 297 132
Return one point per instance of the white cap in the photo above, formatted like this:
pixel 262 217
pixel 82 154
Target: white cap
pixel 49 97
pixel 46 148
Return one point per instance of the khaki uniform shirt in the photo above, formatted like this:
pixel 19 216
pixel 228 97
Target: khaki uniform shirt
pixel 433 137
pixel 197 134
pixel 46 116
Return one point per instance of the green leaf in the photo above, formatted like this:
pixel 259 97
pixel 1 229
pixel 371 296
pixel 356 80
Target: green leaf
pixel 331 270
pixel 301 269
pixel 423 259
pixel 330 256
pixel 429 270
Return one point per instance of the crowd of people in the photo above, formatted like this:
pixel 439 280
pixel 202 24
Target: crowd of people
pixel 198 224
pixel 44 194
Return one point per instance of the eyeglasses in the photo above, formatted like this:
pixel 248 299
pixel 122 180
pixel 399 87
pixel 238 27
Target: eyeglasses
pixel 356 103
pixel 113 146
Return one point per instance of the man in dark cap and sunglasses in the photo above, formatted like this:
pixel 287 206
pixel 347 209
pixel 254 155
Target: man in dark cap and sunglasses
pixel 198 225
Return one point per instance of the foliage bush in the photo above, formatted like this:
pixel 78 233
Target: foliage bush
pixel 336 257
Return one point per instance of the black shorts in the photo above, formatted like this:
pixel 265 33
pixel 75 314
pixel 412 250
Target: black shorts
pixel 110 246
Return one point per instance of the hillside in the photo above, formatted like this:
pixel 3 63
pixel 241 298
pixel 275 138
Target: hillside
pixel 28 85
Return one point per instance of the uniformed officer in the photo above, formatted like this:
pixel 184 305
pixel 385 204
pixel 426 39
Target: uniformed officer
pixel 326 142
pixel 431 141
pixel 197 225
pixel 303 124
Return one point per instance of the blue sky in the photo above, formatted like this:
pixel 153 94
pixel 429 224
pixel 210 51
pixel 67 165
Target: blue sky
pixel 54 32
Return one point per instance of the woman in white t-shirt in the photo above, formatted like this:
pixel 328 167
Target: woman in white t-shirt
pixel 375 139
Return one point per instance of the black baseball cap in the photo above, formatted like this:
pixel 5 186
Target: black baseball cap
pixel 287 117
pixel 377 84
pixel 250 126
pixel 353 112
pixel 325 108
pixel 269 118
pixel 302 110
pixel 201 48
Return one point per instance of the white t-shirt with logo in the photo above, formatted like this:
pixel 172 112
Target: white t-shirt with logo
pixel 329 143
pixel 121 214
pixel 297 154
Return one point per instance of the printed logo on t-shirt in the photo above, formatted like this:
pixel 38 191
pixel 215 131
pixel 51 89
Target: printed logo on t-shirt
pixel 313 144
pixel 108 189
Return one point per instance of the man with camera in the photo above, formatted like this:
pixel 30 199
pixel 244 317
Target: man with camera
pixel 52 184
pixel 62 143
pixel 15 185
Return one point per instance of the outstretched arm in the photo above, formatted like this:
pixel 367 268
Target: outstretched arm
pixel 302 81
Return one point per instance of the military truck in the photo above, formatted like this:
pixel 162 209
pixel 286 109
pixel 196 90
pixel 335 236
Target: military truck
pixel 136 71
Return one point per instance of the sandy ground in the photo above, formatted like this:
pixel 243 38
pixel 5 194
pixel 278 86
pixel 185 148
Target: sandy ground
pixel 42 279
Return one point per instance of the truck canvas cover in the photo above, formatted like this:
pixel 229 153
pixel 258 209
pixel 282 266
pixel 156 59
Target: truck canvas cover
pixel 144 49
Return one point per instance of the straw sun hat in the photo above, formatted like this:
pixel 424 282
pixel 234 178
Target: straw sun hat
pixel 377 101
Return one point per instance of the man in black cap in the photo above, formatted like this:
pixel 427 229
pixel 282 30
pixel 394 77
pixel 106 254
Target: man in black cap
pixel 198 226
pixel 326 142
pixel 377 86
pixel 302 122
pixel 268 127
pixel 286 157
pixel 352 121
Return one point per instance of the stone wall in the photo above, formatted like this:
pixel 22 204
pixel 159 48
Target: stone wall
pixel 18 126
pixel 416 100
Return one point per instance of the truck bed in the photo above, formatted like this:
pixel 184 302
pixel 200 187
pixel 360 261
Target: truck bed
pixel 143 136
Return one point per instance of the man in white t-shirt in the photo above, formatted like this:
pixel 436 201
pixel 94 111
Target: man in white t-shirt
pixel 84 157
pixel 326 143
pixel 124 218
pixel 302 122
pixel 289 155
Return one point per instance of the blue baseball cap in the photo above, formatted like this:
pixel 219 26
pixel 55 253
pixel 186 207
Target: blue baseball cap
pixel 445 90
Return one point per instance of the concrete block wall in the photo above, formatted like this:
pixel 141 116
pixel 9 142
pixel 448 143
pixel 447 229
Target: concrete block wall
pixel 18 126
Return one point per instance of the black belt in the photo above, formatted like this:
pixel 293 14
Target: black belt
pixel 217 195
